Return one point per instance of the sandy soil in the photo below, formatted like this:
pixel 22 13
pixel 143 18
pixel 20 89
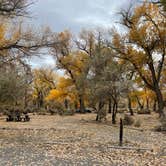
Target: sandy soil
pixel 79 140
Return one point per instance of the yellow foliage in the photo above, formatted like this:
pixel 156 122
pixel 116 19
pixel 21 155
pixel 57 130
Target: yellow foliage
pixel 65 89
pixel 145 19
pixel 64 82
pixel 64 35
pixel 116 40
pixel 8 36
pixel 143 95
pixel 2 32
pixel 44 81
pixel 55 95
pixel 75 62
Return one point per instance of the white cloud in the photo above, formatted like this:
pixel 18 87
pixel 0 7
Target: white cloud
pixel 42 61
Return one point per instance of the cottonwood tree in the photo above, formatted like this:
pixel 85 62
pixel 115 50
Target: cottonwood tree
pixel 104 74
pixel 16 42
pixel 144 45
pixel 109 84
pixel 44 80
pixel 14 83
pixel 73 63
pixel 22 43
pixel 15 75
pixel 91 44
pixel 65 94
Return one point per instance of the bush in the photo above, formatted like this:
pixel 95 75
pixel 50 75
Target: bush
pixel 52 111
pixel 163 124
pixel 144 111
pixel 42 111
pixel 128 120
pixel 29 109
pixel 137 123
pixel 68 112
pixel 162 127
pixel 54 107
pixel 122 110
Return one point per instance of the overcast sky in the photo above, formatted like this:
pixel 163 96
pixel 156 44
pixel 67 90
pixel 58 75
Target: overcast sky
pixel 75 15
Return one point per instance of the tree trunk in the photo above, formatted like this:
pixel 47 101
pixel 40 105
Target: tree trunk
pixel 129 107
pixel 75 105
pixel 141 106
pixel 25 99
pixel 155 106
pixel 121 132
pixel 82 105
pixel 99 112
pixel 40 99
pixel 66 103
pixel 147 103
pixel 114 111
pixel 156 89
pixel 160 102
pixel 110 105
pixel 97 117
pixel 116 108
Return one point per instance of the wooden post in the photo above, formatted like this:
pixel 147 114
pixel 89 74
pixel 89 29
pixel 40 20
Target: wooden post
pixel 121 132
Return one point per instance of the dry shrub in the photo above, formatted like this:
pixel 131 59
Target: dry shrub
pixel 55 107
pixel 42 111
pixel 69 112
pixel 128 120
pixel 144 111
pixel 163 124
pixel 137 123
pixel 162 127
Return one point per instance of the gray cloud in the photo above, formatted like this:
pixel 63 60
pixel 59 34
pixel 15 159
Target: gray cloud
pixel 74 15
pixel 77 14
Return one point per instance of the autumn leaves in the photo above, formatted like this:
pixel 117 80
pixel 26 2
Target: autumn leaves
pixel 96 64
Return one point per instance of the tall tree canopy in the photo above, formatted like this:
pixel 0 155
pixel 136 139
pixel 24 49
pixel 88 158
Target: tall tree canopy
pixel 144 45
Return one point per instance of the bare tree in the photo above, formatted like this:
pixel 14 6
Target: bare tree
pixel 14 8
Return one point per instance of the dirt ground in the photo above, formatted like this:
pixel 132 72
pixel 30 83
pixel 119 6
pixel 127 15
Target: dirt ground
pixel 79 140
